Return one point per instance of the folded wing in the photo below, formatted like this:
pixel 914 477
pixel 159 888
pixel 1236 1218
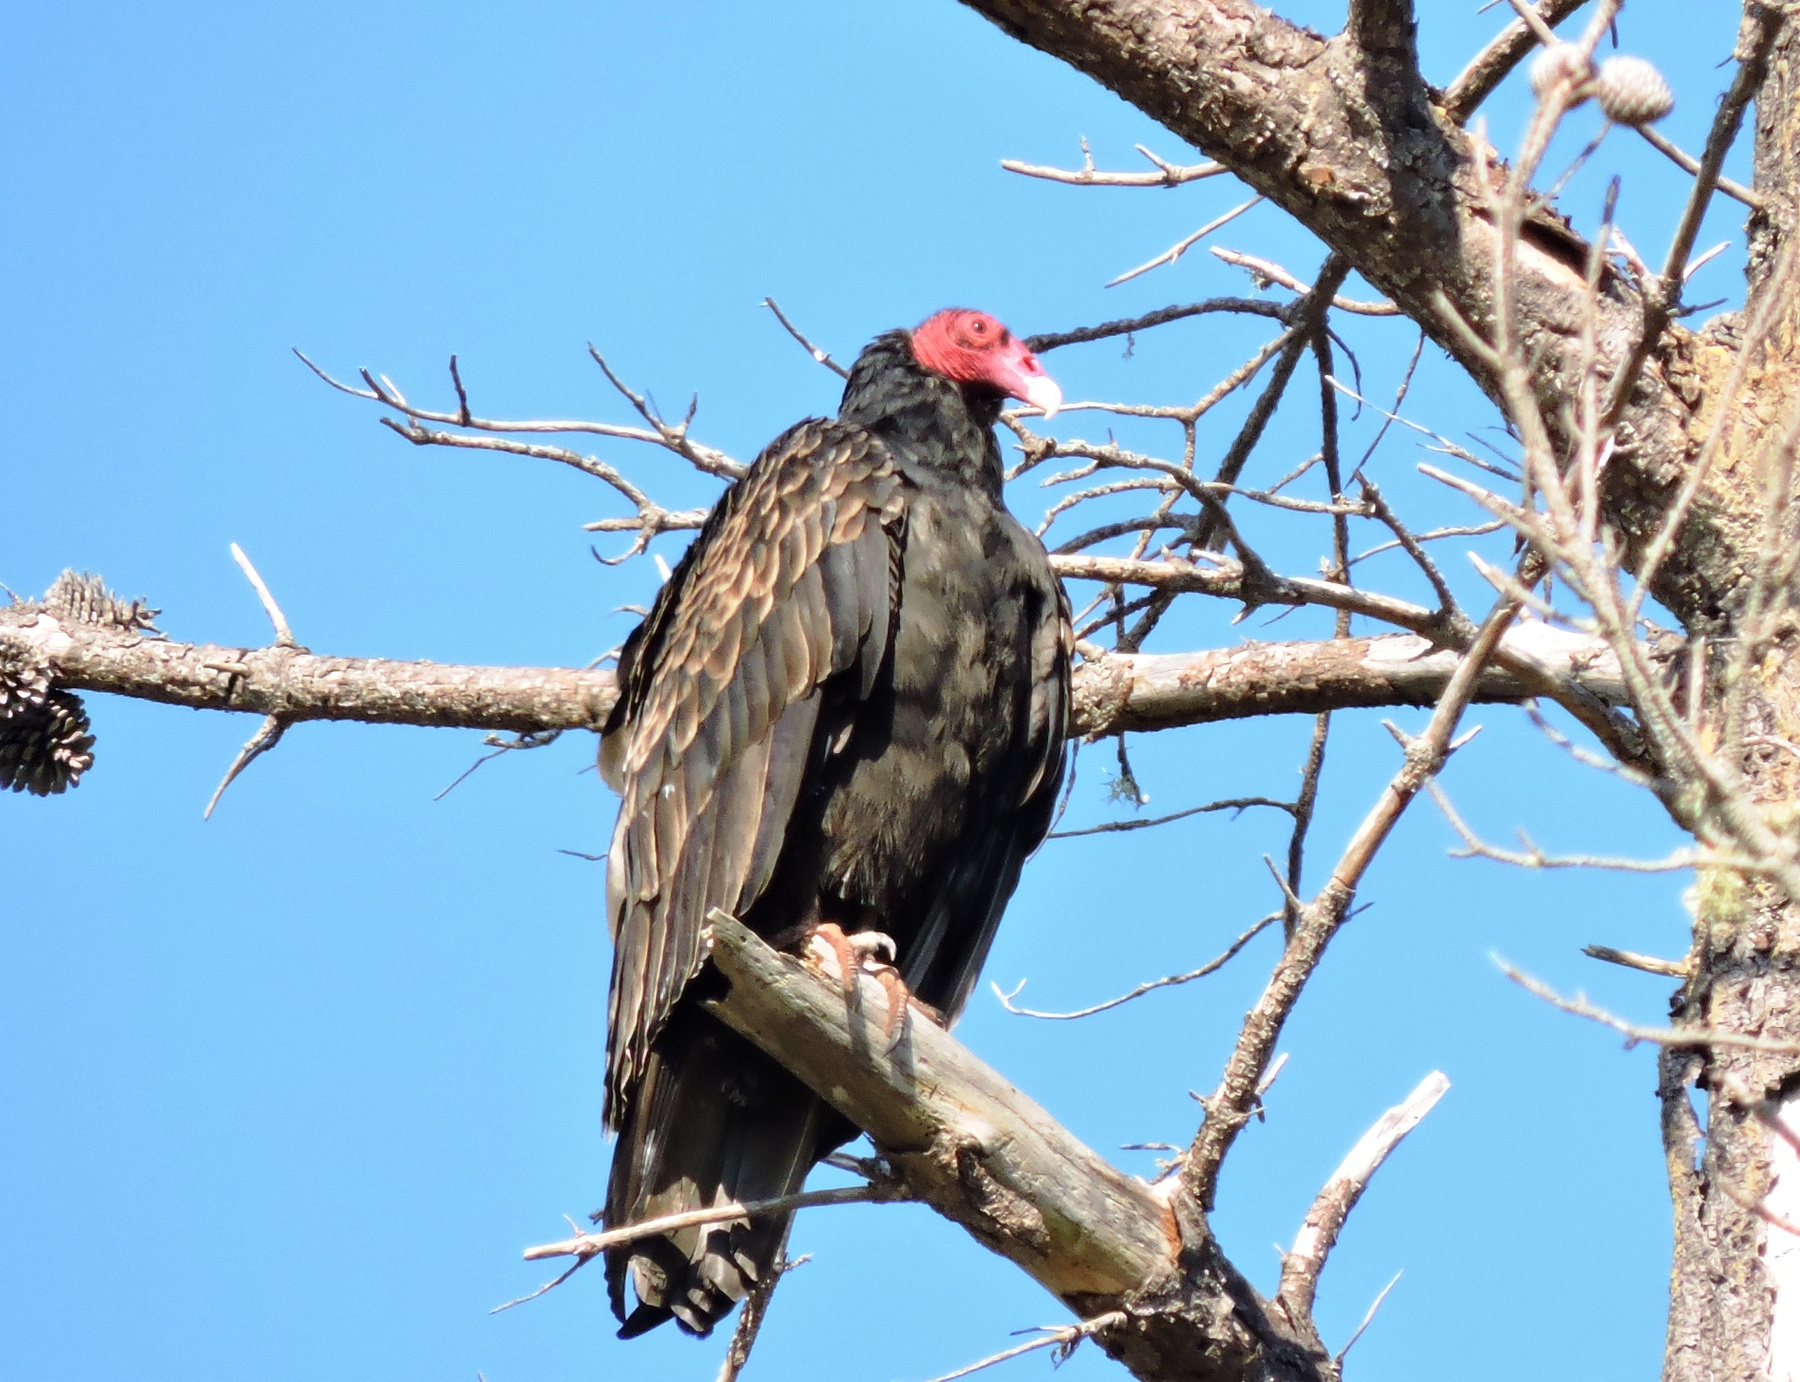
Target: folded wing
pixel 789 586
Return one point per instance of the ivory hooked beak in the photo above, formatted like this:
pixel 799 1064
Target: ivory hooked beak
pixel 1041 392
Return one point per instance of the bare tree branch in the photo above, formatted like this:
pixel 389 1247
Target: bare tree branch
pixel 1125 326
pixel 1212 966
pixel 1182 246
pixel 1112 693
pixel 1265 271
pixel 1488 68
pixel 1301 1265
pixel 1166 175
pixel 1695 1036
pixel 978 1151
pixel 1531 857
pixel 1646 964
pixel 819 356
pixel 1689 164
pixel 586 1245
pixel 1061 1337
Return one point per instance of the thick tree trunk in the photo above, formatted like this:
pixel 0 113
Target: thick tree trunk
pixel 1735 1288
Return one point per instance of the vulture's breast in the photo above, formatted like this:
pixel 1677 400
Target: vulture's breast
pixel 938 757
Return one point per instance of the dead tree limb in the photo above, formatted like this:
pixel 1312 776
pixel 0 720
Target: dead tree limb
pixel 986 1157
pixel 1117 692
pixel 1318 1234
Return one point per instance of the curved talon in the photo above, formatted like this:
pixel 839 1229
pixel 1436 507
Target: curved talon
pixel 872 945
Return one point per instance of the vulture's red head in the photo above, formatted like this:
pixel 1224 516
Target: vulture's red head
pixel 973 348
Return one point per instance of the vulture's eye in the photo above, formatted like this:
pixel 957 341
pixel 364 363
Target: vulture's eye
pixel 979 329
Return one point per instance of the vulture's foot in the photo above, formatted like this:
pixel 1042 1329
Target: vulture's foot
pixel 843 956
pixel 872 953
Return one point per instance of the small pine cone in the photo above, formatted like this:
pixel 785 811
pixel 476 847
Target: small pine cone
pixel 83 598
pixel 1632 92
pixel 1558 62
pixel 23 685
pixel 46 750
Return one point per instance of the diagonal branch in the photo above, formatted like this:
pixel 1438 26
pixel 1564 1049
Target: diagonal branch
pixel 1301 1265
pixel 1488 68
pixel 1229 1107
pixel 979 1152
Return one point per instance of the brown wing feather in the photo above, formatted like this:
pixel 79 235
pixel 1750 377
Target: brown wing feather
pixel 788 585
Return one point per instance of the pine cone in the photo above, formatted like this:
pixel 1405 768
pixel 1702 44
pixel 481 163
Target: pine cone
pixel 23 685
pixel 83 598
pixel 1559 62
pixel 1632 92
pixel 47 748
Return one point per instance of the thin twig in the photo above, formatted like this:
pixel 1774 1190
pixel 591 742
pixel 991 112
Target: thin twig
pixel 535 740
pixel 588 1244
pixel 1689 164
pixel 1265 271
pixel 1444 443
pixel 584 1247
pixel 1435 535
pixel 1633 1033
pixel 820 356
pixel 670 436
pixel 1227 804
pixel 1175 251
pixel 1126 326
pixel 1647 964
pixel 1168 981
pixel 1166 174
pixel 1387 419
pixel 1531 857
pixel 1063 1337
pixel 284 636
pixel 1367 1320
pixel 267 736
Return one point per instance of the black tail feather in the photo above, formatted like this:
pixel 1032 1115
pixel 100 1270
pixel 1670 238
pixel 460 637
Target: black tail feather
pixel 714 1121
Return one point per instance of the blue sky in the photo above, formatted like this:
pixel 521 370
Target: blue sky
pixel 289 1090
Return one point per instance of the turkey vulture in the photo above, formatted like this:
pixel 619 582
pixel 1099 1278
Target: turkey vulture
pixel 845 709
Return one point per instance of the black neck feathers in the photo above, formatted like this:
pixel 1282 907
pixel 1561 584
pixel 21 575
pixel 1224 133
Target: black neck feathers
pixel 933 424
